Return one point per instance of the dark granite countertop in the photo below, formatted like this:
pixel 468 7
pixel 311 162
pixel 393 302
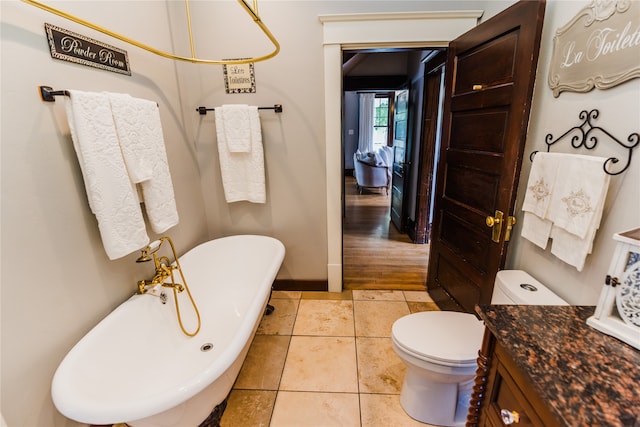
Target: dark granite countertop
pixel 587 377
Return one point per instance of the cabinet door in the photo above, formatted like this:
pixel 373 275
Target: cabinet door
pixel 508 397
pixel 508 389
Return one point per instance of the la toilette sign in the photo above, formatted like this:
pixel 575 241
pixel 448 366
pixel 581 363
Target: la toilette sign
pixel 599 48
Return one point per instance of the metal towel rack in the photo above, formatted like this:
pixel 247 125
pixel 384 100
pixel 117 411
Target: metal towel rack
pixel 277 108
pixel 48 94
pixel 586 135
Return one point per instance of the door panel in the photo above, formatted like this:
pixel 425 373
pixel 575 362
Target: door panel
pixel 457 234
pixel 479 130
pixel 432 103
pixel 472 188
pixel 489 83
pixel 494 73
pixel 400 164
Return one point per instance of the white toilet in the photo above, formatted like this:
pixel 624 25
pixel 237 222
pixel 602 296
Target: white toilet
pixel 440 349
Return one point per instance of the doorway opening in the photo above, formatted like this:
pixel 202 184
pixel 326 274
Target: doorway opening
pixel 358 31
pixel 384 245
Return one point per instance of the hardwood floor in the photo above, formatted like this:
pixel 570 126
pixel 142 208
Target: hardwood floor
pixel 375 254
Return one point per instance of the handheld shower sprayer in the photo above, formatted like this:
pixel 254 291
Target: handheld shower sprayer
pixel 164 276
pixel 149 250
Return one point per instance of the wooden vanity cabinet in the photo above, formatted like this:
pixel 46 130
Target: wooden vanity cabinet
pixel 500 385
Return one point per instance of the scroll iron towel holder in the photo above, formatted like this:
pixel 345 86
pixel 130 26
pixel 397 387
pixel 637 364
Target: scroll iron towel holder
pixel 583 137
pixel 252 11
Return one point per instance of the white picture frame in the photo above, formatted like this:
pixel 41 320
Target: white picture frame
pixel 618 310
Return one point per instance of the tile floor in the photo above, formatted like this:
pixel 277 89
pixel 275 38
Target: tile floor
pixel 325 360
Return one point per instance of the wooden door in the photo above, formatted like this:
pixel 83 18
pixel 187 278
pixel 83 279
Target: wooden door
pixel 489 83
pixel 431 106
pixel 400 165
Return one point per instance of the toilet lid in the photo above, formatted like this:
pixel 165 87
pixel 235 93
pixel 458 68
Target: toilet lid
pixel 440 336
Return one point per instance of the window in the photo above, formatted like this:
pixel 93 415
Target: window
pixel 381 120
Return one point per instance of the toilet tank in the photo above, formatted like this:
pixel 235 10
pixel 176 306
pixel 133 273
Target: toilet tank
pixel 518 287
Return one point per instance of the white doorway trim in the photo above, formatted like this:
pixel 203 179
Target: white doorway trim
pixel 406 29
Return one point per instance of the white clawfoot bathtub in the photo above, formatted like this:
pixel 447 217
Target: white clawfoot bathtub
pixel 137 367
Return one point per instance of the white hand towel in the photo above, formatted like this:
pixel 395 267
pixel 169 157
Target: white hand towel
pixel 110 193
pixel 576 208
pixel 140 134
pixel 237 127
pixel 541 183
pixel 535 226
pixel 570 248
pixel 134 139
pixel 536 229
pixel 242 173
pixel 578 196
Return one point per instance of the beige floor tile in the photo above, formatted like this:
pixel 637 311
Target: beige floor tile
pixel 286 294
pixel 248 408
pixel 418 296
pixel 281 321
pixel 300 409
pixel 321 364
pixel 327 318
pixel 263 365
pixel 380 370
pixel 344 295
pixel 384 410
pixel 375 318
pixel 378 295
pixel 416 307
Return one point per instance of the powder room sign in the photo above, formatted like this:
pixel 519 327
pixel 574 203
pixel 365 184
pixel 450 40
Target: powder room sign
pixel 599 48
pixel 73 47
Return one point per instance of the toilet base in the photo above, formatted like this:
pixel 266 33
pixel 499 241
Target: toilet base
pixel 441 404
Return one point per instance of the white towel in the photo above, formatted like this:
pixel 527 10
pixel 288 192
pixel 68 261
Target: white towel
pixel 237 127
pixel 536 227
pixel 133 138
pixel 570 248
pixel 110 193
pixel 578 195
pixel 576 207
pixel 242 172
pixel 140 134
pixel 541 183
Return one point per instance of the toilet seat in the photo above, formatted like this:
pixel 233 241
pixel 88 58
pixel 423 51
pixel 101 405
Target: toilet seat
pixel 441 337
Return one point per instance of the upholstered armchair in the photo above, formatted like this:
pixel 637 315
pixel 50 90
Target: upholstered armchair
pixel 370 176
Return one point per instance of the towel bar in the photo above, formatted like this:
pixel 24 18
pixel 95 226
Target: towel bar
pixel 48 94
pixel 277 108
pixel 583 136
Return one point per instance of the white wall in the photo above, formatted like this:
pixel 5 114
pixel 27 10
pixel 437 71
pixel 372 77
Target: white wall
pixel 620 114
pixel 57 282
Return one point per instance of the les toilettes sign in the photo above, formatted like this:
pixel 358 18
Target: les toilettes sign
pixel 599 47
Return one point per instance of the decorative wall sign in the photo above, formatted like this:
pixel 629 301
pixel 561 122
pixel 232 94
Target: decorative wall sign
pixel 599 48
pixel 73 47
pixel 239 78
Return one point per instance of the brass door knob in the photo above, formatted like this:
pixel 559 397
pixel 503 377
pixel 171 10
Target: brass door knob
pixel 491 221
